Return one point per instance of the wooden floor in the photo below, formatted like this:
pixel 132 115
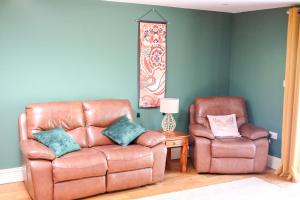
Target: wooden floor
pixel 174 181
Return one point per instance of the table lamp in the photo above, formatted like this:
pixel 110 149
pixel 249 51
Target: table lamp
pixel 169 106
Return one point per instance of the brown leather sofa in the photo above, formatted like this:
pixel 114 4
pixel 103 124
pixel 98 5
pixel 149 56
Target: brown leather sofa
pixel 101 165
pixel 247 154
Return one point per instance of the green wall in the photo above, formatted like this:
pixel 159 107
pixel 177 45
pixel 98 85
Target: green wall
pixel 257 66
pixel 54 50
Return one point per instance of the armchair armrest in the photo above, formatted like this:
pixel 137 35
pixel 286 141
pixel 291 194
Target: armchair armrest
pixel 201 131
pixel 150 138
pixel 32 149
pixel 252 132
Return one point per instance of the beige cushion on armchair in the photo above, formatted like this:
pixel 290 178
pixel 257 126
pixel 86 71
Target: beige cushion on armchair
pixel 223 125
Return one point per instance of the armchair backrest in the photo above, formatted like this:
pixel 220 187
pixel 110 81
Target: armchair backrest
pixel 204 106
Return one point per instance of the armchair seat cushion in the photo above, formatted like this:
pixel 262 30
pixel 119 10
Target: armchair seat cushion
pixel 80 164
pixel 233 148
pixel 126 158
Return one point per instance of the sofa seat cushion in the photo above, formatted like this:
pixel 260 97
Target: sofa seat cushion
pixel 126 158
pixel 233 148
pixel 80 164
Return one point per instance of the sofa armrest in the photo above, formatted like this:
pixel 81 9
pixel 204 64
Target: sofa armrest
pixel 252 132
pixel 32 149
pixel 201 131
pixel 151 138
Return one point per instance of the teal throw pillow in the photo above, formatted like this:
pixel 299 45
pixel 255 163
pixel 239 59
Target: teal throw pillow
pixel 58 140
pixel 124 131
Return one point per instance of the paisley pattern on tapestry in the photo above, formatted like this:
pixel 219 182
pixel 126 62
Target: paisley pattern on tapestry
pixel 152 63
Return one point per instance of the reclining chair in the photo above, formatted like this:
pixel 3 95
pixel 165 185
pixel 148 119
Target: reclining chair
pixel 246 154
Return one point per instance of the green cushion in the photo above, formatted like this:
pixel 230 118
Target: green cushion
pixel 58 141
pixel 123 131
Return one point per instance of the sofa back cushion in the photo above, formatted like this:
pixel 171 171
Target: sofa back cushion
pixel 67 115
pixel 100 114
pixel 220 106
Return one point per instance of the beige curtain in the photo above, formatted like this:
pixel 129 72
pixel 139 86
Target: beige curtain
pixel 290 151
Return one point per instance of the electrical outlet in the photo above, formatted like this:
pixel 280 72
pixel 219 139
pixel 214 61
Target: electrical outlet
pixel 273 135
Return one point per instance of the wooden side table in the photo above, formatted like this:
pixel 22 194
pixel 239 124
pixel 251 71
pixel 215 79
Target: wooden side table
pixel 178 139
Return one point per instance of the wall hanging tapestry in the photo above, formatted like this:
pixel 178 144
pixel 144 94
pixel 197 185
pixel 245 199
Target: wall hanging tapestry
pixel 152 62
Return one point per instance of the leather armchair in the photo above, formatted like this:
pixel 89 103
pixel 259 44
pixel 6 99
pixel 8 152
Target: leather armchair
pixel 209 154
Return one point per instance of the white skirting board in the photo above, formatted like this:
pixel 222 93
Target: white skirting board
pixel 273 162
pixel 11 175
pixel 15 174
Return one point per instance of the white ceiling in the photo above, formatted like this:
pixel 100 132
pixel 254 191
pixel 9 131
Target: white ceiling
pixel 230 6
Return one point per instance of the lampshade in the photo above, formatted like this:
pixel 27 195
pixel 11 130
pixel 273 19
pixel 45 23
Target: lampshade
pixel 169 105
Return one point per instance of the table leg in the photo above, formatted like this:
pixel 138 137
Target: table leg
pixel 168 164
pixel 183 158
